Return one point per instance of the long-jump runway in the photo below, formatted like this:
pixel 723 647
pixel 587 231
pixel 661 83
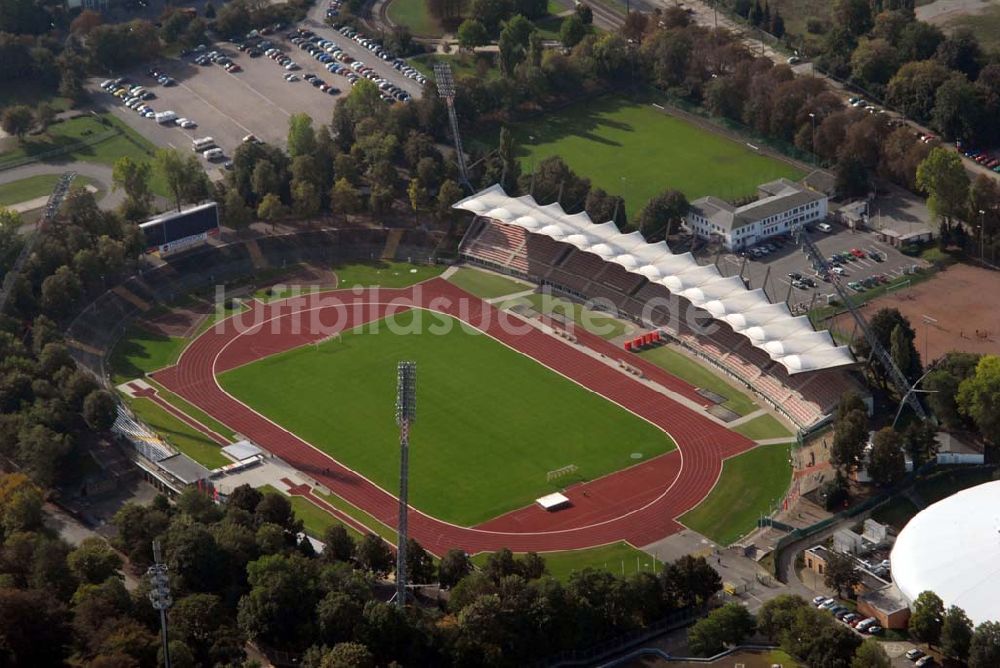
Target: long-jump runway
pixel 639 504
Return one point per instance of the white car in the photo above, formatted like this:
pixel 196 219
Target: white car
pixel 292 66
pixel 839 271
pixel 187 123
pixel 290 77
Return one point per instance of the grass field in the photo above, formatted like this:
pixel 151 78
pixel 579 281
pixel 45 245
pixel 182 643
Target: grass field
pixel 492 422
pixel 190 410
pixel 765 426
pixel 985 25
pixel 462 64
pixel 66 134
pixel 386 274
pixel 619 558
pixel 16 192
pixel 374 526
pixel 750 485
pixel 315 520
pixel 595 322
pixel 188 440
pixel 484 284
pixel 630 148
pixel 414 15
pixel 689 370
pixel 141 351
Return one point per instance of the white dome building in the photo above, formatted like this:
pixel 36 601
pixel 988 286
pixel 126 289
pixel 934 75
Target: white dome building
pixel 953 549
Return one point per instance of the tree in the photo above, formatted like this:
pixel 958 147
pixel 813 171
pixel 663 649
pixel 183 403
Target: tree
pixel 86 21
pixel 942 176
pixel 100 410
pixel 572 30
pixel 851 176
pixel 454 566
pixel 984 650
pixel 235 212
pixel 979 397
pixel 873 62
pixel 491 13
pixel 926 617
pixel 449 193
pixel 45 115
pixel 276 509
pixel 662 212
pixel 886 463
pixel 956 634
pixel 840 573
pixel 265 179
pixel 472 33
pixel 60 291
pixel 854 16
pixel 513 43
pixel 961 51
pixel 419 564
pixel 271 209
pixel 417 194
pixel 849 437
pixel 305 199
pixel 729 625
pixel 960 111
pixel 20 504
pixel 777 614
pixel 344 197
pixel 871 655
pixel 301 136
pixel 133 177
pixel 913 88
pixel 585 13
pixel 510 167
pixel 690 580
pixel 374 556
pixel 339 544
pixel 348 655
pixel 34 629
pixel 17 120
pixel 94 561
pixel 185 178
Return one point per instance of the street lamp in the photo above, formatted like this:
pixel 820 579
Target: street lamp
pixel 982 224
pixel 812 119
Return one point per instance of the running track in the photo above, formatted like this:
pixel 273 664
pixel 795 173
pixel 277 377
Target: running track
pixel 639 504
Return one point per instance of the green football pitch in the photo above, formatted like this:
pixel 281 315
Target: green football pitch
pixel 491 422
pixel 632 149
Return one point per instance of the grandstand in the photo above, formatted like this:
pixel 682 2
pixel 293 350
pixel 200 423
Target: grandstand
pixel 797 370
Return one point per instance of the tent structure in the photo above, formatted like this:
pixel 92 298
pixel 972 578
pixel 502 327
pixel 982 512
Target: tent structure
pixel 793 342
pixel 952 548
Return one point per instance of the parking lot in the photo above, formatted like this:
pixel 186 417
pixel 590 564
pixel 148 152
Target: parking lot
pixel 257 100
pixel 789 258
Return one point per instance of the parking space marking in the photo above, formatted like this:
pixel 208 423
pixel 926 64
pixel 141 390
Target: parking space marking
pixel 259 94
pixel 219 111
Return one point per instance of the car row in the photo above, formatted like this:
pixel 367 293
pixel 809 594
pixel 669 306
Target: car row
pixel 333 9
pixel 861 624
pixel 132 96
pixel 983 158
pixel 870 282
pixel 919 657
pixel 337 61
pixel 376 48
pixel 218 58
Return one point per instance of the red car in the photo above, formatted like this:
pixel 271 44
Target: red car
pixel 857 252
pixel 233 67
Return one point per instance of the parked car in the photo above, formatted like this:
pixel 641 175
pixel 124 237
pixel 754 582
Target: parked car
pixel 914 654
pixel 924 661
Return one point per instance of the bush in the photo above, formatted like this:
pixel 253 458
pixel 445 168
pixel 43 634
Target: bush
pixel 816 26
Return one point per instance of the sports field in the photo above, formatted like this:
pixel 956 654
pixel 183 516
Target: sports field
pixel 698 375
pixel 595 322
pixel 384 273
pixel 140 351
pixel 620 558
pixel 486 284
pixel 491 422
pixel 749 487
pixel 632 149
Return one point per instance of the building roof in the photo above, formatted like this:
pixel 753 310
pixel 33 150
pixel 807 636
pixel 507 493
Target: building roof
pixel 185 469
pixel 725 298
pixel 953 549
pixel 241 450
pixel 778 197
pixel 887 599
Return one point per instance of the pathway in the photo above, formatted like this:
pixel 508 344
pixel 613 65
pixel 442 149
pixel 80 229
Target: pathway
pixel 101 175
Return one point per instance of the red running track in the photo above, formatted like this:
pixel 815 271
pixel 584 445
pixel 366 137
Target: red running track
pixel 638 504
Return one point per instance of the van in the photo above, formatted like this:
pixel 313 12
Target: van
pixel 199 145
pixel 165 117
pixel 865 624
pixel 214 154
pixel 825 227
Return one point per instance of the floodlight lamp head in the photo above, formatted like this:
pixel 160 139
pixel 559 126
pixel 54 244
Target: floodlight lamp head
pixel 406 392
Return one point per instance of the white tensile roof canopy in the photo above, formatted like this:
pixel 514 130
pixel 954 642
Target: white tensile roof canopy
pixel 953 549
pixel 791 341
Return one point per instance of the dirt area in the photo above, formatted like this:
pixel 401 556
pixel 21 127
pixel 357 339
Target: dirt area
pixel 942 12
pixel 182 321
pixel 951 311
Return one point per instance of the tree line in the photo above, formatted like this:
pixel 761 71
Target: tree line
pixel 243 571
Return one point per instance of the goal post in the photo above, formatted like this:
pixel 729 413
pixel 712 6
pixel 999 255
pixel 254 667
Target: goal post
pixel 555 474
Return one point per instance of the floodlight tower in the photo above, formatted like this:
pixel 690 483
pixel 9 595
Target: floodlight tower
pixel 406 413
pixel 446 89
pixel 159 596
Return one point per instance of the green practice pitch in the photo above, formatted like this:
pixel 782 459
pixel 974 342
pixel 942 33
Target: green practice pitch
pixel 634 150
pixel 491 422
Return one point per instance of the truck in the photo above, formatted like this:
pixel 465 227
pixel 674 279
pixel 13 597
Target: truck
pixel 165 117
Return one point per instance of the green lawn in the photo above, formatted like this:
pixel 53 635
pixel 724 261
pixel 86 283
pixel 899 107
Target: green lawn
pixel 315 520
pixel 16 192
pixel 373 525
pixel 188 440
pixel 765 426
pixel 190 410
pixel 694 373
pixel 985 25
pixel 385 274
pixel 619 558
pixel 492 422
pixel 141 351
pixel 485 284
pixel 632 149
pixel 462 64
pixel 595 322
pixel 414 15
pixel 749 487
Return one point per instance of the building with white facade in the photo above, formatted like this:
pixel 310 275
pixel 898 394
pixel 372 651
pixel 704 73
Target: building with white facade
pixel 782 206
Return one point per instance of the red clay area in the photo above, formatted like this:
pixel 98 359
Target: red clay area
pixel 638 504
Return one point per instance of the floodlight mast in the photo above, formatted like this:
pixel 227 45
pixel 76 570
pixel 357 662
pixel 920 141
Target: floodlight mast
pixel 446 90
pixel 160 597
pixel 406 414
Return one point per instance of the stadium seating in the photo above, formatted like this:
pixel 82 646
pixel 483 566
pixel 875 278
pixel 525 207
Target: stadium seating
pixel 805 398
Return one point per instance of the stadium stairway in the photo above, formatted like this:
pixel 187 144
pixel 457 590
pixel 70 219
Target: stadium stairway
pixel 131 298
pixel 257 257
pixel 392 244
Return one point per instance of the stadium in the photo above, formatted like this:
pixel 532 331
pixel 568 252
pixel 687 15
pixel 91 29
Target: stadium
pixel 516 404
